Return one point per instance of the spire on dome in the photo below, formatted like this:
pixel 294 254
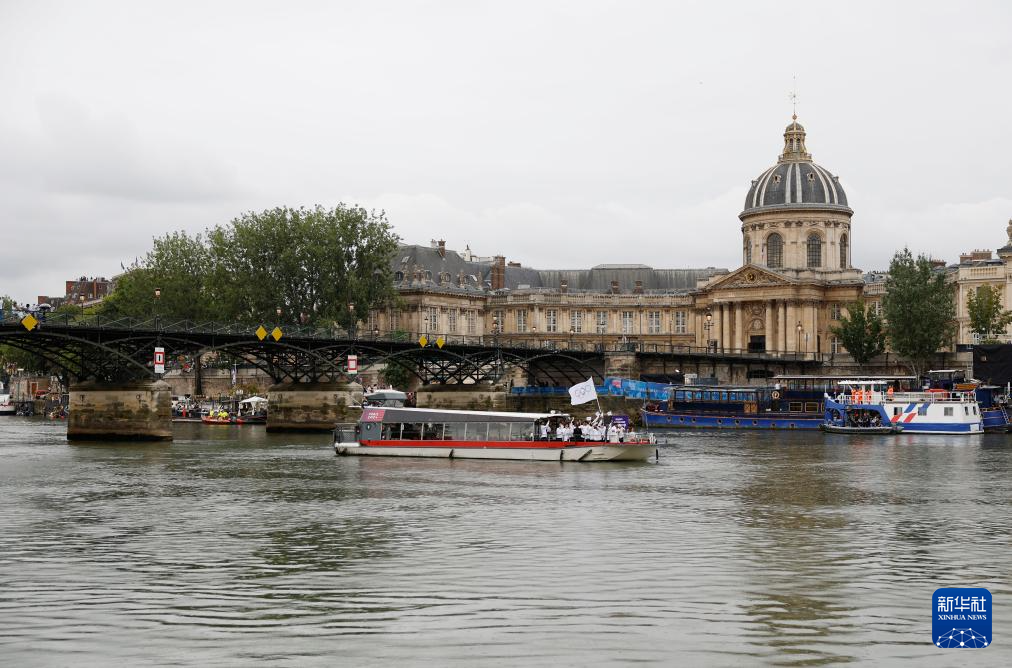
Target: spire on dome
pixel 794 143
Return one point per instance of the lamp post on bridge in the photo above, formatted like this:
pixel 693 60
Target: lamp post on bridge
pixel 158 298
pixel 797 347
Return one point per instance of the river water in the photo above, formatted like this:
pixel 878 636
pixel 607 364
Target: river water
pixel 234 547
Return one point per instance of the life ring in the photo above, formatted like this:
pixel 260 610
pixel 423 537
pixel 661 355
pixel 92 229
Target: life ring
pixel 775 394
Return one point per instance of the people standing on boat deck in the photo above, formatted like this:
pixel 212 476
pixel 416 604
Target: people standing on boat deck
pixel 612 433
pixel 543 430
pixel 560 432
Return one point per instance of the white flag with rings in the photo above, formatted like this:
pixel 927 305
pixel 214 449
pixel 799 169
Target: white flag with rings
pixel 583 392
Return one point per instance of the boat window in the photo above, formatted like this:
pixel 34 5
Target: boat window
pixel 453 431
pixel 432 431
pixel 697 395
pixel 974 410
pixel 679 395
pixel 922 409
pixel 412 431
pixel 392 432
pixel 812 407
pixel 966 410
pixel 498 431
pixel 736 396
pixel 522 431
pixel 795 407
pixel 723 396
pixel 476 431
pixel 948 411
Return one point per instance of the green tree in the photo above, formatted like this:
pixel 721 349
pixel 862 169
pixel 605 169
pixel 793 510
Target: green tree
pixel 919 310
pixel 323 266
pixel 861 332
pixel 178 267
pixel 987 315
pixel 397 374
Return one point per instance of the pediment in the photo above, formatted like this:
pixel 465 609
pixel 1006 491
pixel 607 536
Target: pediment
pixel 750 276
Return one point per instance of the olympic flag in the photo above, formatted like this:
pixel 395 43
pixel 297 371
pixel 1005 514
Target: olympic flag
pixel 583 392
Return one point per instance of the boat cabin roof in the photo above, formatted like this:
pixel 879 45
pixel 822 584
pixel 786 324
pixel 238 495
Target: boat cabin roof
pixel 387 415
pixel 863 383
pixel 839 379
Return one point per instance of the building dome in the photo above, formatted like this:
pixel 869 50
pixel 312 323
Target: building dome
pixel 795 182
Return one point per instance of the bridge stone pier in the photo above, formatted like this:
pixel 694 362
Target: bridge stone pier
pixel 127 411
pixel 312 406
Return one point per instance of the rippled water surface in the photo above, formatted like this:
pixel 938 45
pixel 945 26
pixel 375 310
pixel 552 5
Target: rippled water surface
pixel 232 547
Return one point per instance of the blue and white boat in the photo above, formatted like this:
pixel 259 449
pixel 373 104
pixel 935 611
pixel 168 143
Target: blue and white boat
pixel 933 412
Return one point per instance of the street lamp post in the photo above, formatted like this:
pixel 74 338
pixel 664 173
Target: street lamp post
pixel 572 330
pixel 797 347
pixel 706 327
pixel 351 326
pixel 158 297
pixel 278 312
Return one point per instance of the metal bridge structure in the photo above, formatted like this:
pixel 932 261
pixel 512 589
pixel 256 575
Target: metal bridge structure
pixel 109 349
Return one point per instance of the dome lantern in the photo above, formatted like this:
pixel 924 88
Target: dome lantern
pixel 794 143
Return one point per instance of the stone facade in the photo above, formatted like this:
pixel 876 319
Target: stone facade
pixel 793 286
pixel 975 270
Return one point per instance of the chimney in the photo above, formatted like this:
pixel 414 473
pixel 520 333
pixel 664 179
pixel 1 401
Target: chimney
pixel 965 257
pixel 498 272
pixel 442 248
pixel 614 287
pixel 564 286
pixel 638 290
pixel 981 255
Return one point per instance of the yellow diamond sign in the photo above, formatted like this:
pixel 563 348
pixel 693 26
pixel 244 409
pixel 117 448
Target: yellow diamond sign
pixel 261 333
pixel 276 333
pixel 423 341
pixel 440 341
pixel 29 322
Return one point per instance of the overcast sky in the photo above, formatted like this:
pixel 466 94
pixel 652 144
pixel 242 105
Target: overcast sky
pixel 561 135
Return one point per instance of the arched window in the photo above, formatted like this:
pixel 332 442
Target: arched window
pixel 774 251
pixel 814 250
pixel 843 251
pixel 748 250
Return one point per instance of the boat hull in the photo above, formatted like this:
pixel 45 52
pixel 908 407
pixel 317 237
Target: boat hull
pixel 658 420
pixel 597 452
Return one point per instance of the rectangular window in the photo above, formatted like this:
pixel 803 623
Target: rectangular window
pixel 876 308
pixel 432 319
pixel 948 411
pixel 654 322
pixel 627 322
pixel 602 322
pixel 499 321
pixel 551 320
pixel 472 321
pixel 834 345
pixel 576 321
pixel 451 321
pixel 522 321
pixel 679 322
pixel 795 407
pixel 834 311
pixel 395 319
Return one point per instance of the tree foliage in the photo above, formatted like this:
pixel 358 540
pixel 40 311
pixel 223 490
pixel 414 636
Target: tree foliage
pixel 919 310
pixel 319 266
pixel 988 316
pixel 861 332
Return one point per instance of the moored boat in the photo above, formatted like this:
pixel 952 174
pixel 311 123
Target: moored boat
pixel 865 403
pixel 7 406
pixel 457 434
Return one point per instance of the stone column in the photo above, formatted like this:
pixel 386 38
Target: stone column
pixel 697 323
pixel 769 326
pixel 312 406
pixel 739 326
pixel 725 326
pixel 130 411
pixel 717 331
pixel 792 327
pixel 781 325
pixel 815 328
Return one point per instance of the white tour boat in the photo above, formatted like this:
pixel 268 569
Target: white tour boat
pixel 457 434
pixel 873 403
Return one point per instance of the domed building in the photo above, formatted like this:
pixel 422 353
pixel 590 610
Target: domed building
pixel 796 274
